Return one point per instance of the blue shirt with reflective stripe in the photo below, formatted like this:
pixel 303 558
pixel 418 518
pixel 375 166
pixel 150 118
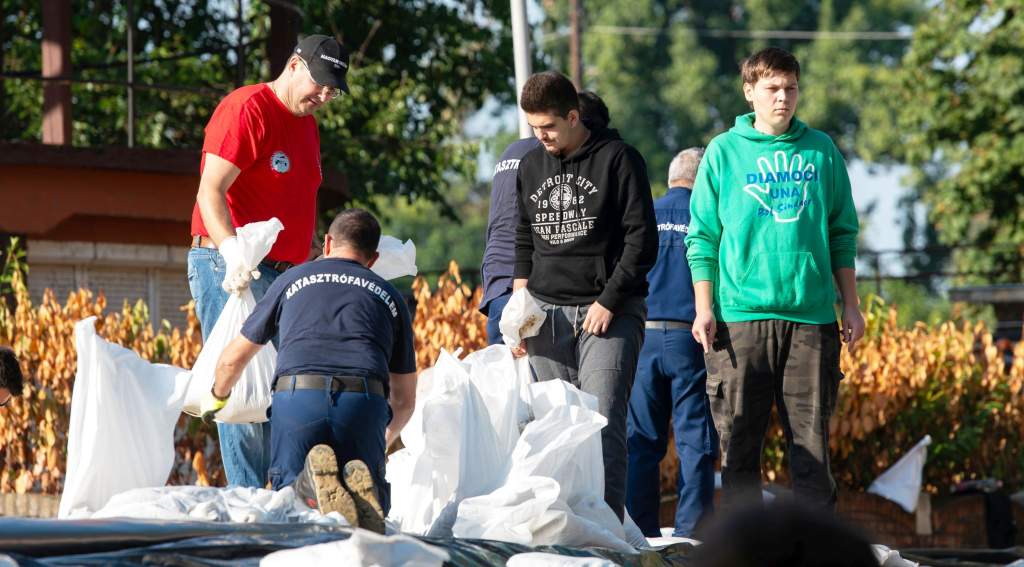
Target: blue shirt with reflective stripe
pixel 671 290
pixel 334 317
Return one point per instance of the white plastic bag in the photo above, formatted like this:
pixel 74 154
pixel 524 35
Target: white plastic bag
pixel 538 559
pixel 459 440
pixel 521 318
pixel 554 491
pixel 396 259
pixel 251 395
pixel 362 548
pixel 901 482
pixel 236 504
pixel 123 413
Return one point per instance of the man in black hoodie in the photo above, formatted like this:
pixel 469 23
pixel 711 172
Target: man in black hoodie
pixel 585 241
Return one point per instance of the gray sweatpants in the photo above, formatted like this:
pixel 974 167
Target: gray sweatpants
pixel 756 364
pixel 601 366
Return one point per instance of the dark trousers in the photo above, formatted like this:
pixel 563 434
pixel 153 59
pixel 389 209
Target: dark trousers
pixel 795 366
pixel 351 423
pixel 494 309
pixel 670 385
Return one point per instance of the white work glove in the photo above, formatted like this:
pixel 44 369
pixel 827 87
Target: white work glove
pixel 237 275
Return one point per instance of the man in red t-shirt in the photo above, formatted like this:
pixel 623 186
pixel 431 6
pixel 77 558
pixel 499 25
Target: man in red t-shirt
pixel 261 159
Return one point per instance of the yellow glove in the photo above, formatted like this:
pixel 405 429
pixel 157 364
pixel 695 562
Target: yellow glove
pixel 212 404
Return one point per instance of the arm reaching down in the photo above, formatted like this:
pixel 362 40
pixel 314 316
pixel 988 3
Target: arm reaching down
pixel 402 400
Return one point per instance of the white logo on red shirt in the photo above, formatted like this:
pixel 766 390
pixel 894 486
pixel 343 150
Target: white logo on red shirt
pixel 280 163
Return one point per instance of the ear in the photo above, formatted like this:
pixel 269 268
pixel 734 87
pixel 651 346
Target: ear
pixel 328 244
pixel 748 92
pixel 373 259
pixel 573 117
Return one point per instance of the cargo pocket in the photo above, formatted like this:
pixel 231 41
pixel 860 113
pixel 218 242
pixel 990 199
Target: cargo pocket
pixel 713 386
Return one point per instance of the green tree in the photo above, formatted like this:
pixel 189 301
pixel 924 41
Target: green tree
pixel 669 69
pixel 957 118
pixel 417 69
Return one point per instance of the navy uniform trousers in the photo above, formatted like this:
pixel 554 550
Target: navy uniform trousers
pixel 670 386
pixel 351 423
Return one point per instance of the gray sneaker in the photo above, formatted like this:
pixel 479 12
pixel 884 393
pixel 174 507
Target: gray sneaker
pixel 359 481
pixel 319 486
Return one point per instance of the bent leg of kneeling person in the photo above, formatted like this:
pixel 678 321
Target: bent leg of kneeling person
pixel 357 425
pixel 300 421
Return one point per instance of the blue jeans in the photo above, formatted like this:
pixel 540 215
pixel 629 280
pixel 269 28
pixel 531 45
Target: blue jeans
pixel 353 424
pixel 244 447
pixel 494 309
pixel 670 384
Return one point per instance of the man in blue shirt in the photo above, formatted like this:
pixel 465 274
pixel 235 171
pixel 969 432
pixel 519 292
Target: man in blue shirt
pixel 346 373
pixel 670 375
pixel 500 251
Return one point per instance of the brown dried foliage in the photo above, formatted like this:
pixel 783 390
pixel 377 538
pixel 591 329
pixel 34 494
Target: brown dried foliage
pixel 447 317
pixel 949 381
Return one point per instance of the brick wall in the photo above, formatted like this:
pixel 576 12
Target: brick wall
pixel 942 522
pixel 123 272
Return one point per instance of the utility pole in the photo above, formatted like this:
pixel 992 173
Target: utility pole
pixel 129 121
pixel 521 52
pixel 575 60
pixel 56 53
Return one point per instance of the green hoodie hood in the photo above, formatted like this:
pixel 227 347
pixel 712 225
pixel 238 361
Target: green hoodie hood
pixel 772 218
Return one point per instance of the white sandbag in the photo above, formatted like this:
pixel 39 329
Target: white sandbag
pixel 521 318
pixel 432 440
pixel 395 259
pixel 363 548
pixel 251 395
pixel 538 559
pixel 235 504
pixel 890 558
pixel 459 440
pixel 901 482
pixel 634 536
pixel 552 495
pixel 123 413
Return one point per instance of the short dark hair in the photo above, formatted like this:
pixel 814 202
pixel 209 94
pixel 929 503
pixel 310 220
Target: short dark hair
pixel 356 228
pixel 767 62
pixel 10 372
pixel 593 111
pixel 549 91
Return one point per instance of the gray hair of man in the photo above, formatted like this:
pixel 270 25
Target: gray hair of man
pixel 683 169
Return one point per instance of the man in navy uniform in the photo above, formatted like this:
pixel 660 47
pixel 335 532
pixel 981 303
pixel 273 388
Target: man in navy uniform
pixel 670 375
pixel 345 381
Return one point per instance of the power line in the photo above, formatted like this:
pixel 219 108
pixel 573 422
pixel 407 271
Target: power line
pixel 753 34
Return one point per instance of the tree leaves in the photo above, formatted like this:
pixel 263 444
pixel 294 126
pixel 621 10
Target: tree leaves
pixel 957 106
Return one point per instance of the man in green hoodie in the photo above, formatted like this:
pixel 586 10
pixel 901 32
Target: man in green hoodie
pixel 772 223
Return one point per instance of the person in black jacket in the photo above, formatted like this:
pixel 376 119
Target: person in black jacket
pixel 585 241
pixel 499 253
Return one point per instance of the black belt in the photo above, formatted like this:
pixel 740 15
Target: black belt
pixel 207 242
pixel 668 325
pixel 356 384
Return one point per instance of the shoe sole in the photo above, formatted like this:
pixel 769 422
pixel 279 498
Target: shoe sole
pixel 331 496
pixel 359 481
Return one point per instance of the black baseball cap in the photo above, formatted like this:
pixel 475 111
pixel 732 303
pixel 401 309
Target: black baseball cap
pixel 326 58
